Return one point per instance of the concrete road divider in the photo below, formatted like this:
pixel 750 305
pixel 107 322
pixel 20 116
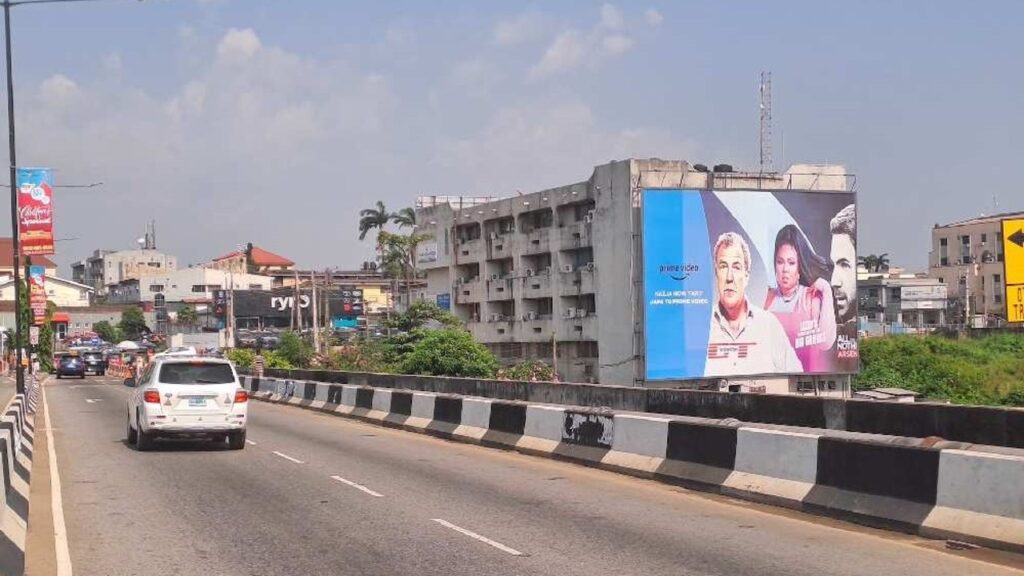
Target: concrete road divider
pixel 925 486
pixel 16 448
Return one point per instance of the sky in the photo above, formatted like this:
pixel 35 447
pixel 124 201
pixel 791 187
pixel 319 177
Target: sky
pixel 273 122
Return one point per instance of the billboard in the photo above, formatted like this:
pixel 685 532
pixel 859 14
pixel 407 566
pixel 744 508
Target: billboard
pixel 35 210
pixel 748 283
pixel 426 252
pixel 37 294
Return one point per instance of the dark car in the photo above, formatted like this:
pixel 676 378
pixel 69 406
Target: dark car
pixel 95 362
pixel 70 365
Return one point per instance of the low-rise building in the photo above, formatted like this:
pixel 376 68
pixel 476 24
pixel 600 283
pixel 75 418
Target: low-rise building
pixel 63 293
pixel 967 257
pixel 7 260
pixel 185 285
pixel 252 260
pixel 892 303
pixel 111 267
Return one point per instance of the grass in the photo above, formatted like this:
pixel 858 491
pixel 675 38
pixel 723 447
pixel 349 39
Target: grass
pixel 987 370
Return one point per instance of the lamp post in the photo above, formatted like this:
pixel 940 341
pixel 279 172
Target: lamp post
pixel 15 239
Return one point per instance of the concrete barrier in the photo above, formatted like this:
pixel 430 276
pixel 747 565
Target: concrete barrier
pixel 991 425
pixel 16 450
pixel 936 489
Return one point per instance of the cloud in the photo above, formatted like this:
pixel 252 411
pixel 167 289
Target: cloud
pixel 547 142
pixel 58 91
pixel 238 45
pixel 111 62
pixel 520 29
pixel 611 17
pixel 572 48
pixel 653 17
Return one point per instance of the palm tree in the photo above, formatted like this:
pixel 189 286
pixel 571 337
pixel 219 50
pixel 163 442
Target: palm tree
pixel 882 263
pixel 371 218
pixel 404 217
pixel 868 262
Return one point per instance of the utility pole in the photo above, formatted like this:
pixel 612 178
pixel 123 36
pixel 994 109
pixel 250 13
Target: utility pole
pixel 315 314
pixel 297 304
pixel 19 330
pixel 231 310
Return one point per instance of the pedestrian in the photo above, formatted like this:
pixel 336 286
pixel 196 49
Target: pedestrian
pixel 258 364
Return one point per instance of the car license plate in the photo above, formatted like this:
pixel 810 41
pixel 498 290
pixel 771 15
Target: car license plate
pixel 197 402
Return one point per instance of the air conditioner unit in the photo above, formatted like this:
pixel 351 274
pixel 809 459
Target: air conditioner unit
pixel 494 276
pixel 495 317
pixel 570 312
pixel 531 316
pixel 589 218
pixel 529 271
pixel 494 235
pixel 547 270
pixel 567 268
pixel 590 266
pixel 460 281
pixel 581 313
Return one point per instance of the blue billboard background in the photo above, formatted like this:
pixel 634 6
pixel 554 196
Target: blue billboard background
pixel 682 339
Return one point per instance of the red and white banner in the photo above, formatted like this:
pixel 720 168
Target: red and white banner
pixel 37 294
pixel 35 210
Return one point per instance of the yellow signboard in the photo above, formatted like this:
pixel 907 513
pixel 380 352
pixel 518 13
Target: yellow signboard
pixel 1013 261
pixel 1015 303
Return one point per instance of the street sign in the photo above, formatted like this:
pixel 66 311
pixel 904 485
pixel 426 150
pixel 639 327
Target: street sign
pixel 1013 272
pixel 33 335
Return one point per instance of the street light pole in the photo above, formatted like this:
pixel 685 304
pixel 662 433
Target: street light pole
pixel 15 238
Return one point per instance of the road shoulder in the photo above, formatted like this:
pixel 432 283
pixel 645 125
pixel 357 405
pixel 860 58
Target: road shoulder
pixel 40 542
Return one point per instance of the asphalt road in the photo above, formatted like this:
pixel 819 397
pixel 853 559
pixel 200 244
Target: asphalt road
pixel 318 494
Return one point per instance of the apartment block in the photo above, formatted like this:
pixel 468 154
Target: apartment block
pixel 556 275
pixel 967 257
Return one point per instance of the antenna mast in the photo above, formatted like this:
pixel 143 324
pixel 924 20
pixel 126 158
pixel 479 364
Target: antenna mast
pixel 766 123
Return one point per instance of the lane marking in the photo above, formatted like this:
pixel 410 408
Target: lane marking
pixel 287 457
pixel 60 532
pixel 357 486
pixel 93 400
pixel 476 536
pixel 250 442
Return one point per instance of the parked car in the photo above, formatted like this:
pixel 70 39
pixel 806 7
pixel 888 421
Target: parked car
pixel 95 362
pixel 70 365
pixel 187 397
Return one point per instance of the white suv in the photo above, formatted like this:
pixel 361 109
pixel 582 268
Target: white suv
pixel 181 397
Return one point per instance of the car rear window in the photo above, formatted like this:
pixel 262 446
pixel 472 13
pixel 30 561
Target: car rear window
pixel 196 373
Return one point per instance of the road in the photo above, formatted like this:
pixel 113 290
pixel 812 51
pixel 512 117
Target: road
pixel 318 494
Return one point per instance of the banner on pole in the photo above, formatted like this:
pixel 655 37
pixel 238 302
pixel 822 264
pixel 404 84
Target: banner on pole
pixel 37 294
pixel 33 335
pixel 35 210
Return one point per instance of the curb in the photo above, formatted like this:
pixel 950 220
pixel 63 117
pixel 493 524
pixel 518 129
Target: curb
pixel 936 490
pixel 16 438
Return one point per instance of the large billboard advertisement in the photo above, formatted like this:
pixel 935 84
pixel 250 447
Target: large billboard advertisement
pixel 35 210
pixel 749 283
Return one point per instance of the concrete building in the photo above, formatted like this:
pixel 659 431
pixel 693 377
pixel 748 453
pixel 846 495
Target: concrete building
pixel 252 260
pixel 901 303
pixel 108 267
pixel 556 275
pixel 72 320
pixel 193 285
pixel 63 293
pixel 967 257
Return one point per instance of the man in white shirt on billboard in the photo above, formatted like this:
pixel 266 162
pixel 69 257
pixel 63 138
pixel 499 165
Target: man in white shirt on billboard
pixel 744 339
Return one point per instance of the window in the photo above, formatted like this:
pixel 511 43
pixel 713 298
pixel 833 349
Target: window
pixel 255 287
pixel 156 287
pixel 984 238
pixel 198 288
pixel 586 349
pixel 196 373
pixel 942 280
pixel 872 292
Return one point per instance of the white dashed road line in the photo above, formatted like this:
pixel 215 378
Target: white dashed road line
pixel 357 486
pixel 287 457
pixel 250 442
pixel 476 536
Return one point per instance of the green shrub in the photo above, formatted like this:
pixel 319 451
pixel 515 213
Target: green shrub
pixel 449 352
pixel 241 357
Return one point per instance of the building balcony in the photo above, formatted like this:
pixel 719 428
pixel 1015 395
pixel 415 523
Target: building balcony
pixel 469 292
pixel 536 328
pixel 576 235
pixel 501 246
pixel 536 242
pixel 500 289
pixel 537 286
pixel 579 281
pixel 579 327
pixel 494 329
pixel 469 250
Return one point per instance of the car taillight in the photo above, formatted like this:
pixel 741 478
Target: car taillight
pixel 151 396
pixel 241 396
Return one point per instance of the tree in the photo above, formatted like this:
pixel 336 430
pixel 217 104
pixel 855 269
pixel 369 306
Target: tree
pixel 882 262
pixel 450 352
pixel 133 323
pixel 26 315
pixel 107 331
pixel 188 316
pixel 294 350
pixel 406 217
pixel 875 262
pixel 420 312
pixel 45 347
pixel 371 218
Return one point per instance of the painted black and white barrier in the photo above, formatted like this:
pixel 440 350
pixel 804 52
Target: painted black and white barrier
pixel 16 435
pixel 927 486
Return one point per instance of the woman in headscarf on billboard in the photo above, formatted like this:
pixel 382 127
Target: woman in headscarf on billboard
pixel 802 299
